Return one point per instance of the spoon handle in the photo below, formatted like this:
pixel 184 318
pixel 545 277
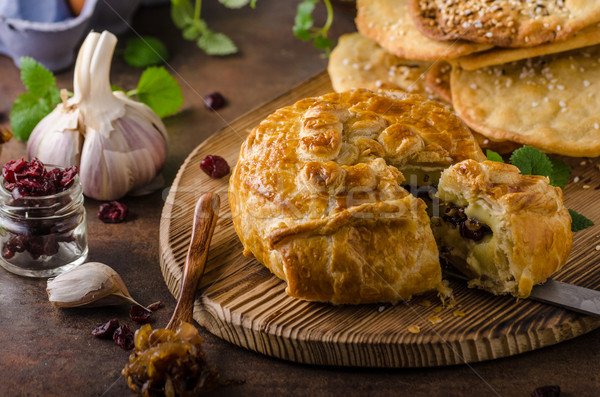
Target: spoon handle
pixel 205 219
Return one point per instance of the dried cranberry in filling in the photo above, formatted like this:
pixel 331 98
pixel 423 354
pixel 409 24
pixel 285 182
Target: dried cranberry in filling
pixel 113 212
pixel 106 330
pixel 123 336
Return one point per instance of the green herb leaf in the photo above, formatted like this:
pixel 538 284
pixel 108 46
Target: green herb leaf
pixel 304 20
pixel 531 161
pixel 252 3
pixel 579 222
pixel 182 13
pixel 159 90
pixel 27 111
pixel 36 78
pixel 214 43
pixel 493 156
pixel 234 3
pixel 561 173
pixel 322 43
pixel 191 32
pixel 145 51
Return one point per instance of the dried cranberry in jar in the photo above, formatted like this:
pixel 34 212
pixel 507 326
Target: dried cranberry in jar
pixel 123 336
pixel 139 314
pixel 214 166
pixel 112 212
pixel 106 330
pixel 214 101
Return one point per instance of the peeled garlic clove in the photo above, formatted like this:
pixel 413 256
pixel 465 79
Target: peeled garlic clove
pixel 57 137
pixel 91 284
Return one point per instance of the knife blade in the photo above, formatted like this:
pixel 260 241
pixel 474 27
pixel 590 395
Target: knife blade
pixel 557 293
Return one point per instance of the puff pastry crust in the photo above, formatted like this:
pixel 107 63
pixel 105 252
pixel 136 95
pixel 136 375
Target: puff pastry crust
pixel 531 228
pixel 316 194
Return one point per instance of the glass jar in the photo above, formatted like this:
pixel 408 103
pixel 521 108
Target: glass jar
pixel 45 235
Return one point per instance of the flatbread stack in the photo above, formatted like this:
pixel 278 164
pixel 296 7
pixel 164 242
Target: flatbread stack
pixel 515 71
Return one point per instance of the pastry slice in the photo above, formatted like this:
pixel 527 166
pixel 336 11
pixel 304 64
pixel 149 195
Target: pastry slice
pixel 506 231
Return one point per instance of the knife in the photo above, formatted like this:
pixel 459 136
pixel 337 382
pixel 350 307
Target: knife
pixel 568 296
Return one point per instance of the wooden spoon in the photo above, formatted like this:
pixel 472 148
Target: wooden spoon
pixel 205 219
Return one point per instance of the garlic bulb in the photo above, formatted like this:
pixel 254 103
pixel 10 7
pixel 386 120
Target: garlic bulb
pixel 91 284
pixel 119 144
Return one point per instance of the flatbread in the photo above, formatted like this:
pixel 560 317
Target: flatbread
pixel 497 56
pixel 358 62
pixel 389 24
pixel 503 23
pixel 438 81
pixel 549 102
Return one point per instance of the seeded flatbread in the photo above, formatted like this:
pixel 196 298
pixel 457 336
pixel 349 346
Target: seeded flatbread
pixel 497 56
pixel 503 23
pixel 549 102
pixel 358 62
pixel 389 24
pixel 438 81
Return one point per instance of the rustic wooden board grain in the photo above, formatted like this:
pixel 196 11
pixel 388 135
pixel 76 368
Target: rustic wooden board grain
pixel 242 302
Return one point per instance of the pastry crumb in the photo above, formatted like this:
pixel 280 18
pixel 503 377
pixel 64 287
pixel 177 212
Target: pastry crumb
pixel 380 309
pixel 459 313
pixel 435 319
pixel 425 303
pixel 414 329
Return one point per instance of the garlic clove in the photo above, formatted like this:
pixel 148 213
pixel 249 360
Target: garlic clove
pixel 57 137
pixel 91 284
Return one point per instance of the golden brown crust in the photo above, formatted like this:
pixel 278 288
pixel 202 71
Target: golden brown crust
pixel 358 62
pixel 503 23
pixel 530 223
pixel 316 194
pixel 549 102
pixel 389 24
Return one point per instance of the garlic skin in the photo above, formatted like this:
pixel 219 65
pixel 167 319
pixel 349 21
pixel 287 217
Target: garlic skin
pixel 118 144
pixel 57 139
pixel 91 284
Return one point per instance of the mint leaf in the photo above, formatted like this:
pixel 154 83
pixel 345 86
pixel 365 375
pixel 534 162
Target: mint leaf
pixel 493 156
pixel 193 31
pixel 36 78
pixel 234 3
pixel 216 44
pixel 182 13
pixel 27 111
pixel 531 161
pixel 561 173
pixel 145 51
pixel 579 222
pixel 159 90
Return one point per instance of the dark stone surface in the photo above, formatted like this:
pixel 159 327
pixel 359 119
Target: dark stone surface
pixel 51 352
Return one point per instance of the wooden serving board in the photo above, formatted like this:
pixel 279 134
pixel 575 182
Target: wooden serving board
pixel 242 302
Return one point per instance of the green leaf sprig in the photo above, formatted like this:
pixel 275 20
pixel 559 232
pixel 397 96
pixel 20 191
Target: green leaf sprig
pixel 187 17
pixel 41 97
pixel 531 161
pixel 156 88
pixel 304 28
pixel 141 52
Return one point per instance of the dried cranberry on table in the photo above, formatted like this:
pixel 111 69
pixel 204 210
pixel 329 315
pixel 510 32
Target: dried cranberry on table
pixel 214 101
pixel 215 166
pixel 106 330
pixel 139 314
pixel 112 212
pixel 123 336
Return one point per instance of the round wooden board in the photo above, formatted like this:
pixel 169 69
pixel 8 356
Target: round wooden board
pixel 242 302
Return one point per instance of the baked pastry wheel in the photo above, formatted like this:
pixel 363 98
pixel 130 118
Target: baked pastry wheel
pixel 505 231
pixel 316 194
